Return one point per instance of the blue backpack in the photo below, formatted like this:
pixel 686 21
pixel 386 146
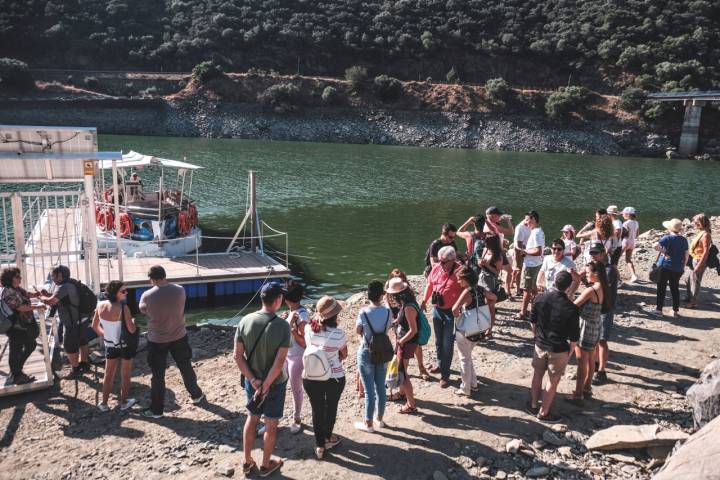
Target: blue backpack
pixel 424 331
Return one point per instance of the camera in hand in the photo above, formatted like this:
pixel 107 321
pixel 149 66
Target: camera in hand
pixel 437 299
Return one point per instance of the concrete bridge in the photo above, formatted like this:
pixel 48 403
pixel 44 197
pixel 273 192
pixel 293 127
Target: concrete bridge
pixel 694 103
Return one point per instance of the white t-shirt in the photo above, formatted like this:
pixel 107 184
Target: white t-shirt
pixel 522 232
pixel 330 341
pixel 617 223
pixel 552 268
pixel 304 316
pixel 632 226
pixel 536 239
pixel 569 247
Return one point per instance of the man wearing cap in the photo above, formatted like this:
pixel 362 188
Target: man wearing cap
pixel 532 262
pixel 164 305
pixel 555 322
pixel 443 289
pixel 262 340
pixel 602 351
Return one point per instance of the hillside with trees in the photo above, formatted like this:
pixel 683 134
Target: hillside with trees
pixel 604 45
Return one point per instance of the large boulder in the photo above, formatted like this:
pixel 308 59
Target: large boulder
pixel 704 396
pixel 698 458
pixel 621 437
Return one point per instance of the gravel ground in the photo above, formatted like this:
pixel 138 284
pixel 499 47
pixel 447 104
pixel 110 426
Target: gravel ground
pixel 59 433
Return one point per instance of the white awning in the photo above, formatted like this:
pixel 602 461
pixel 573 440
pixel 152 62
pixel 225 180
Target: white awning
pixel 135 159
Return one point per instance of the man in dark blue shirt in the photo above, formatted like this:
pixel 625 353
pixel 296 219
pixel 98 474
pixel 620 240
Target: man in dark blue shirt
pixel 556 327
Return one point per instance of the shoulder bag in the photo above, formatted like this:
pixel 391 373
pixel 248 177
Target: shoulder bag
pixel 474 321
pixel 252 350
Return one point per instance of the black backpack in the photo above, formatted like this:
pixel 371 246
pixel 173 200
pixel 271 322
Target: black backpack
pixel 381 349
pixel 88 299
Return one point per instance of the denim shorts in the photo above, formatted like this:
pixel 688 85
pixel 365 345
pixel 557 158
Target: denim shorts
pixel 272 407
pixel 606 325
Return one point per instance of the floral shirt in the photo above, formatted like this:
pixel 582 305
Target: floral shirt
pixel 16 297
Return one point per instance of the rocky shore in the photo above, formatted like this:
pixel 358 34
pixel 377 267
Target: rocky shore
pixel 59 434
pixel 200 116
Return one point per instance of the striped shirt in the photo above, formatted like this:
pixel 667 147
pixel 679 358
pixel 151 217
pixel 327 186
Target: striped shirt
pixel 331 341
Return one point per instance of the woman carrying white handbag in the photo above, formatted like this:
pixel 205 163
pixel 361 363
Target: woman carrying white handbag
pixel 472 320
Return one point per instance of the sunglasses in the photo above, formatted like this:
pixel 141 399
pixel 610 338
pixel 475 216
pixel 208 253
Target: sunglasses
pixel 595 253
pixel 557 249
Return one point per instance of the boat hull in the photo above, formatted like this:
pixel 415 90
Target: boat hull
pixel 107 242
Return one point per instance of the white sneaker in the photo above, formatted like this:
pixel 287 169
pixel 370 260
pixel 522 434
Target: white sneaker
pixel 363 427
pixel 128 405
pixel 199 399
pixel 653 312
pixel 103 407
pixel 295 427
pixel 380 424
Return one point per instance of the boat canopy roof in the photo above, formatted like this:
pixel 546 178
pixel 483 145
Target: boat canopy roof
pixel 135 159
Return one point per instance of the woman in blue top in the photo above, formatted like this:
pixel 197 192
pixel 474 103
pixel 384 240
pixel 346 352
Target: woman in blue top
pixel 673 257
pixel 373 319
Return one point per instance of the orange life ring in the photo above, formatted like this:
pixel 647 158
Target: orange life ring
pixel 193 214
pixel 183 224
pixel 126 225
pixel 105 219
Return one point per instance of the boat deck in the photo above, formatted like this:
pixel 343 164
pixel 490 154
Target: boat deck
pixel 46 248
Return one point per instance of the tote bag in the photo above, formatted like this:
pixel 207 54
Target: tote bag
pixel 474 321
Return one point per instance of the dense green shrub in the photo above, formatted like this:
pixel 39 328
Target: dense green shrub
pixel 330 95
pixel 357 76
pixel 205 71
pixel 387 89
pixel 15 75
pixel 281 97
pixel 632 99
pixel 567 99
pixel 498 89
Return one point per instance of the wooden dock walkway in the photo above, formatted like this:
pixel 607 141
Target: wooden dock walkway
pixel 45 250
pixel 38 365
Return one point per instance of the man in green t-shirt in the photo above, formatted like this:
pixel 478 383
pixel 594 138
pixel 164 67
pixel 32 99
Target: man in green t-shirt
pixel 262 340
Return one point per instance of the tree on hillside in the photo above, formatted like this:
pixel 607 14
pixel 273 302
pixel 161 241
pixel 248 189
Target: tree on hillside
pixel 205 71
pixel 15 75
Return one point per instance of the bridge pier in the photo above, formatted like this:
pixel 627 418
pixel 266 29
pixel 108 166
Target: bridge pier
pixel 690 132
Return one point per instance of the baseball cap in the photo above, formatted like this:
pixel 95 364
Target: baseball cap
pixel 271 290
pixel 629 210
pixel 596 247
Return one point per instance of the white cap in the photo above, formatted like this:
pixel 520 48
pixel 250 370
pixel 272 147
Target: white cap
pixel 629 210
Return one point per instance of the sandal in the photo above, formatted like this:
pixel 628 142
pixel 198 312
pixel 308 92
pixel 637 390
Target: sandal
pixel 407 409
pixel 330 444
pixel 248 467
pixel 519 316
pixel 272 466
pixel 425 376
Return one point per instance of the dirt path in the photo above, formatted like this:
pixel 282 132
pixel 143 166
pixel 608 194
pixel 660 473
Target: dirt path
pixel 60 434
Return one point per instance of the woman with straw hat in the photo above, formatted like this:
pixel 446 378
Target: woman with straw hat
pixel 324 395
pixel 407 335
pixel 672 258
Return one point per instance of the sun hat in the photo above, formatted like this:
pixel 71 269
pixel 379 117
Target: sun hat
pixel 395 285
pixel 327 307
pixel 568 228
pixel 674 225
pixel 612 210
pixel 629 210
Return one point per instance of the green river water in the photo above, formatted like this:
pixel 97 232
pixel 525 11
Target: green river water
pixel 354 212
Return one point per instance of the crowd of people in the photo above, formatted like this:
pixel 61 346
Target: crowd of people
pixel 568 295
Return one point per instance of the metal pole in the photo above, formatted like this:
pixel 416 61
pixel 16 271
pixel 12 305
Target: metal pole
pixel 116 202
pixel 18 232
pixel 253 214
pixel 91 248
